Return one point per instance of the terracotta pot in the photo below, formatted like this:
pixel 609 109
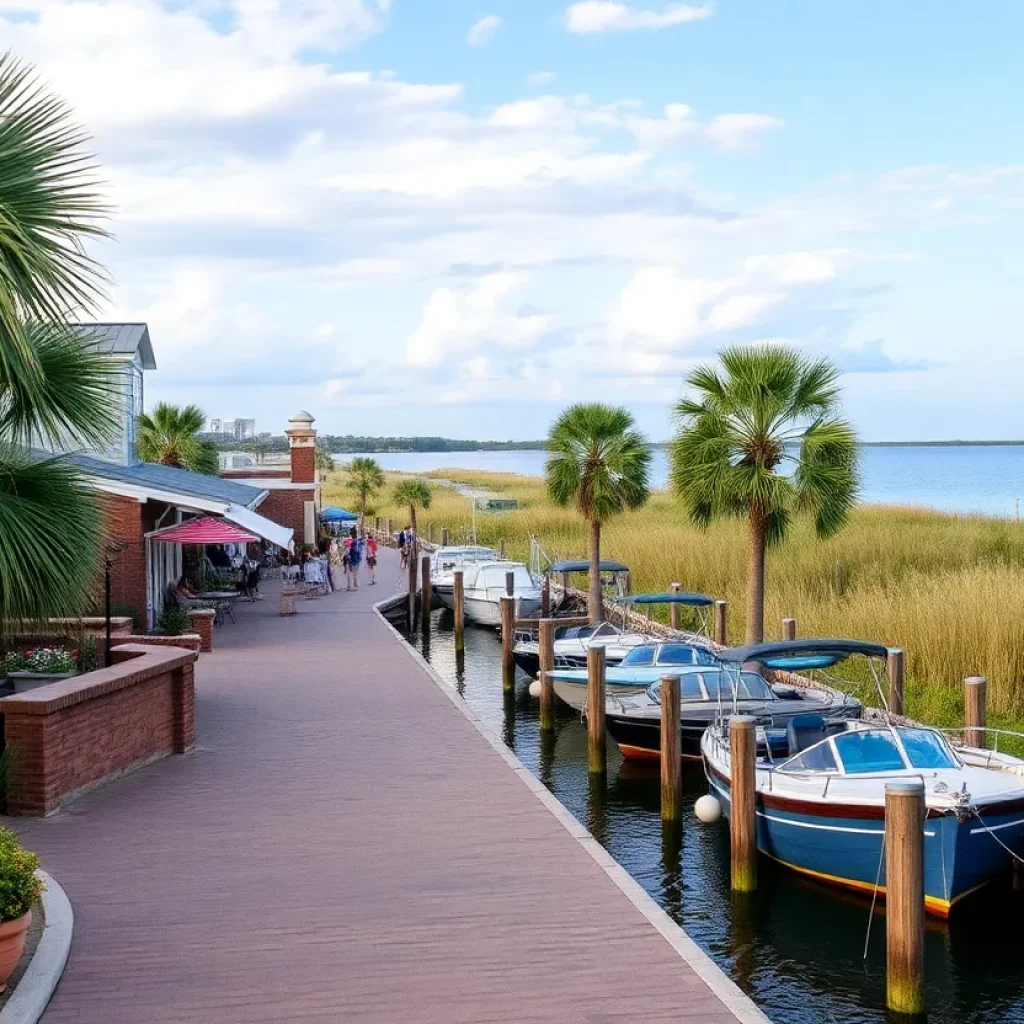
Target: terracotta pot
pixel 12 944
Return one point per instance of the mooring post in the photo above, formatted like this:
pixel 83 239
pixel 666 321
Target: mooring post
pixel 545 597
pixel 508 665
pixel 904 898
pixel 501 550
pixel 444 536
pixel 974 711
pixel 671 761
pixel 720 610
pixel 426 591
pixel 389 535
pixel 673 609
pixel 546 658
pixel 460 622
pixel 789 629
pixel 412 589
pixel 743 801
pixel 510 583
pixel 596 750
pixel 895 666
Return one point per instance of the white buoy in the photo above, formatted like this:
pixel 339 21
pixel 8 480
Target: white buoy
pixel 535 688
pixel 708 809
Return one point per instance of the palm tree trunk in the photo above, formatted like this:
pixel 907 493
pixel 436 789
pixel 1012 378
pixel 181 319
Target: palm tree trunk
pixel 755 577
pixel 594 610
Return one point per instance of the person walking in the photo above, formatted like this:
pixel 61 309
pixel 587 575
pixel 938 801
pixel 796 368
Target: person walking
pixel 355 554
pixel 403 537
pixel 371 558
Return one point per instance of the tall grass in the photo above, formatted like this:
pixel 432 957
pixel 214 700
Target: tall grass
pixel 948 589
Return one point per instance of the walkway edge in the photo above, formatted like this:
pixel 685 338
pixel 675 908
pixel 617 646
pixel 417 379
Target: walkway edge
pixel 724 988
pixel 29 1000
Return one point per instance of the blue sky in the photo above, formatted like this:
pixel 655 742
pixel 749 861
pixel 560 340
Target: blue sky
pixel 456 217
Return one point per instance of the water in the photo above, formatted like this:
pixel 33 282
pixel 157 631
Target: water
pixel 795 946
pixel 958 479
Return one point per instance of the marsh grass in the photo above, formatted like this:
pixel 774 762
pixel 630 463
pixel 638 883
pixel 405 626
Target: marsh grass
pixel 948 589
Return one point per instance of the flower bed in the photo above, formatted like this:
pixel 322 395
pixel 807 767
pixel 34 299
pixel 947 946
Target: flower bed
pixel 50 661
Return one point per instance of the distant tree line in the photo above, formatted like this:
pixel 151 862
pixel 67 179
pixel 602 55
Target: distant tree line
pixel 351 443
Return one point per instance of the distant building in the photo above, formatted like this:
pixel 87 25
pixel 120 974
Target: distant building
pixel 245 430
pixel 216 426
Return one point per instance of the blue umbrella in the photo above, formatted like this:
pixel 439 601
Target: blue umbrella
pixel 333 514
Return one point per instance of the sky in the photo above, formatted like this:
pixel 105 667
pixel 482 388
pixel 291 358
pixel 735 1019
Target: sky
pixel 455 217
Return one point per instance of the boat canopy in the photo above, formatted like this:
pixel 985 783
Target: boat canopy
pixel 780 650
pixel 583 566
pixel 698 600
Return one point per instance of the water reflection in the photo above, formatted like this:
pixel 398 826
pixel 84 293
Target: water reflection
pixel 796 946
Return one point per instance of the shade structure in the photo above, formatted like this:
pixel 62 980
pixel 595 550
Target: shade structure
pixel 263 527
pixel 333 514
pixel 204 530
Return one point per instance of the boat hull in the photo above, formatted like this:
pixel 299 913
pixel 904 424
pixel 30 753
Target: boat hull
pixel 842 843
pixel 488 613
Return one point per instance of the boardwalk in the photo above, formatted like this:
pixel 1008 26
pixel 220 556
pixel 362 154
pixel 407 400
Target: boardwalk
pixel 343 845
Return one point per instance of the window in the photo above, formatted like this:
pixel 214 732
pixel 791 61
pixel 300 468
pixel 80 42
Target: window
pixel 639 656
pixel 868 751
pixel 677 654
pixel 606 629
pixel 926 749
pixel 719 683
pixel 815 759
pixel 689 687
pixel 753 687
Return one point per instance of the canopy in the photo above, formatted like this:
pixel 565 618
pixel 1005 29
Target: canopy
pixel 581 566
pixel 700 600
pixel 260 525
pixel 333 514
pixel 795 648
pixel 204 530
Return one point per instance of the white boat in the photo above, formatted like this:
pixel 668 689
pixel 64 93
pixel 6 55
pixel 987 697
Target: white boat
pixel 445 561
pixel 573 642
pixel 484 585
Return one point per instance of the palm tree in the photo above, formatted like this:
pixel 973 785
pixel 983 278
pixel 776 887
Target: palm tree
pixel 366 478
pixel 599 463
pixel 169 436
pixel 56 390
pixel 414 493
pixel 772 410
pixel 322 458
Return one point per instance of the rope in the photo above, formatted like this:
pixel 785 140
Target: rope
pixel 1016 856
pixel 874 896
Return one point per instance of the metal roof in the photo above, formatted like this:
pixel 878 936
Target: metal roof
pixel 121 340
pixel 170 479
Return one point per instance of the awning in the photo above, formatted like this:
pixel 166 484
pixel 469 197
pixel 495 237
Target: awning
pixel 260 525
pixel 204 530
pixel 333 514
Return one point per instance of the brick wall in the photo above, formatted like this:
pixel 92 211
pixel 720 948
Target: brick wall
pixel 287 507
pixel 202 626
pixel 68 736
pixel 127 521
pixel 303 465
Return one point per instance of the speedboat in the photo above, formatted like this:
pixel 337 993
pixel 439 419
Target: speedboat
pixel 484 585
pixel 641 666
pixel 445 561
pixel 820 805
pixel 573 642
pixel 634 720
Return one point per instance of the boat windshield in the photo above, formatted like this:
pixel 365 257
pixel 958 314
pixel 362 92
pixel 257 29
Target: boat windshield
pixel 606 629
pixel 751 686
pixel 640 656
pixel 926 749
pixel 677 654
pixel 869 750
pixel 689 687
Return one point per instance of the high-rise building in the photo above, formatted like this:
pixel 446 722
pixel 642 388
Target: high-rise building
pixel 216 426
pixel 244 429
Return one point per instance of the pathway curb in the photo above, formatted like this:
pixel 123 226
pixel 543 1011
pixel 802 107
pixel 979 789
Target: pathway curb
pixel 29 1000
pixel 724 988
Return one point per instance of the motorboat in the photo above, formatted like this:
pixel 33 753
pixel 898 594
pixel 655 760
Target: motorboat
pixel 820 806
pixel 484 585
pixel 444 563
pixel 573 642
pixel 634 720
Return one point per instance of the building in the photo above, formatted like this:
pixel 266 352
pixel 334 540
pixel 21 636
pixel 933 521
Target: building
pixel 216 426
pixel 245 430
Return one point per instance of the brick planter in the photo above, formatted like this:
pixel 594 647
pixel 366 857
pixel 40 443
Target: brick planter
pixel 69 736
pixel 202 624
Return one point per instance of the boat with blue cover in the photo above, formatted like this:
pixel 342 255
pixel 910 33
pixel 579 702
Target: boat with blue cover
pixel 820 805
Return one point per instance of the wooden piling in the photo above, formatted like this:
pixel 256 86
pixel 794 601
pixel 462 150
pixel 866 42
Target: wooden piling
pixel 444 536
pixel 510 583
pixel 671 757
pixel 546 657
pixel 904 899
pixel 460 621
pixel 426 591
pixel 720 612
pixel 545 597
pixel 895 667
pixel 673 609
pixel 501 550
pixel 974 711
pixel 596 744
pixel 412 588
pixel 508 664
pixel 389 534
pixel 743 801
pixel 789 629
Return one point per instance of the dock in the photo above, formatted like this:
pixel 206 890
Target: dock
pixel 347 844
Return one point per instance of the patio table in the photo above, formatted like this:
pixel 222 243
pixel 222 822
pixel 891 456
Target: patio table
pixel 222 601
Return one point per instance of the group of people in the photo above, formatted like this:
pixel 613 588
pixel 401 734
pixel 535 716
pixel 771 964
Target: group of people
pixel 406 545
pixel 350 552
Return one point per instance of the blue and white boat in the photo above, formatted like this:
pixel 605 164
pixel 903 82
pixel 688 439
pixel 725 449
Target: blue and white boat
pixel 821 807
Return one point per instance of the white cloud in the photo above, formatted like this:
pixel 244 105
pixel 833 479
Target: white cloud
pixel 483 31
pixel 737 131
pixel 591 16
pixel 540 78
pixel 797 267
pixel 680 124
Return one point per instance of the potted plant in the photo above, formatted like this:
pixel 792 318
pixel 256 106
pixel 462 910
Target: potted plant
pixel 38 667
pixel 20 889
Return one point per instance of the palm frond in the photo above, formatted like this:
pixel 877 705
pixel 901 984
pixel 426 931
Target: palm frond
pixel 412 492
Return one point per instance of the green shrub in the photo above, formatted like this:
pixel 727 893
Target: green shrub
pixel 173 621
pixel 20 887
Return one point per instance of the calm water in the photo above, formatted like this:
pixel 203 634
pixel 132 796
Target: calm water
pixel 961 479
pixel 796 947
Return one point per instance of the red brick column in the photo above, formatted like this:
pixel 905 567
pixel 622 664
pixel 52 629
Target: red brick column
pixel 183 706
pixel 202 624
